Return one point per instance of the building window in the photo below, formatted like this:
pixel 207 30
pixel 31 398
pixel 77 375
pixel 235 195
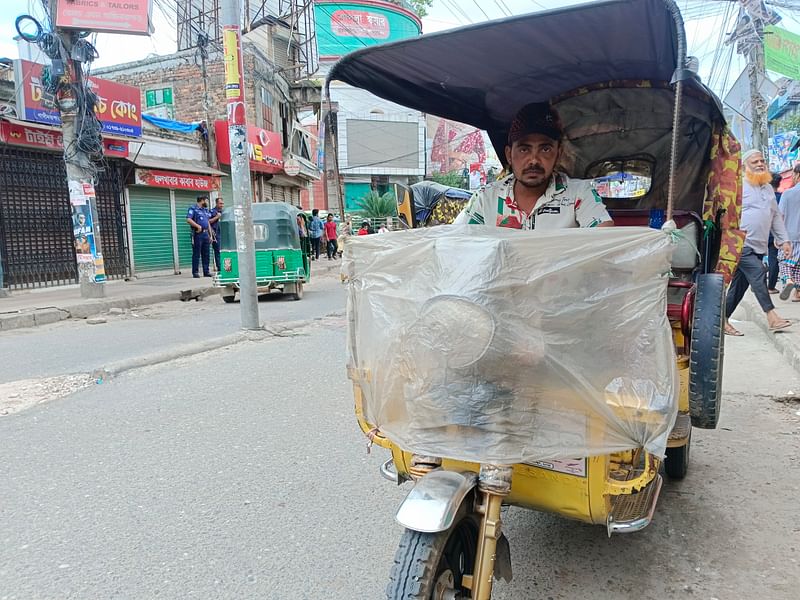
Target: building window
pixel 267 121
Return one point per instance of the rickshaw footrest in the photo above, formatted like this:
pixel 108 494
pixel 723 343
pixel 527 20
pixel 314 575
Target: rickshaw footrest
pixel 632 512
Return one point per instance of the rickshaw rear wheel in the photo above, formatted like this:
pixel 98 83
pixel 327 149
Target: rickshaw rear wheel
pixel 298 291
pixel 229 299
pixel 707 351
pixel 676 465
pixel 431 566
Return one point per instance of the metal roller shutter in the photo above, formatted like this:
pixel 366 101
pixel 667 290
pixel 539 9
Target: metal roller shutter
pixel 183 201
pixel 151 226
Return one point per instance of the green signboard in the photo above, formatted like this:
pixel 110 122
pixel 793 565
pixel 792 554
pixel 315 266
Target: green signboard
pixel 782 52
pixel 153 98
pixel 346 26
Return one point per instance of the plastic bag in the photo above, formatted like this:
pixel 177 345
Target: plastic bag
pixel 503 346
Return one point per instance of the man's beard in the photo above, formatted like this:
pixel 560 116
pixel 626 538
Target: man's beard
pixel 758 178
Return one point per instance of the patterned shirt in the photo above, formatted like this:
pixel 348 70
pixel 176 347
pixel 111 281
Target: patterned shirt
pixel 566 203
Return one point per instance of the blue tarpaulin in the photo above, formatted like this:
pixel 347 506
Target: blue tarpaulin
pixel 171 125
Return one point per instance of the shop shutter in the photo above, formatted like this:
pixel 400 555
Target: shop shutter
pixel 151 226
pixel 226 190
pixel 183 201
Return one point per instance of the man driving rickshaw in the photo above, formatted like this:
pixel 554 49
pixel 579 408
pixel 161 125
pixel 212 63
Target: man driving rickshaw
pixel 535 195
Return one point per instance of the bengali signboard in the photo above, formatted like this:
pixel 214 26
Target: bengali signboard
pixel 346 26
pixel 31 136
pixel 107 16
pixel 263 147
pixel 782 51
pixel 177 181
pixel 119 106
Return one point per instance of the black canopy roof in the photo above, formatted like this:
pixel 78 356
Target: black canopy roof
pixel 483 73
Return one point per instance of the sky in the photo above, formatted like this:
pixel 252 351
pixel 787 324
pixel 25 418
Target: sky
pixel 705 23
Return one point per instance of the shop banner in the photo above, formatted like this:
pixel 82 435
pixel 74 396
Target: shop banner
pixel 782 51
pixel 264 148
pixel 107 16
pixel 85 231
pixel 175 180
pixel 119 106
pixel 50 139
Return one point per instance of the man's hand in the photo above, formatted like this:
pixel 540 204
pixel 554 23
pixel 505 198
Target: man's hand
pixel 787 249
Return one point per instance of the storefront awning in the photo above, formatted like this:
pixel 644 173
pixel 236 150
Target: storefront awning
pixel 186 166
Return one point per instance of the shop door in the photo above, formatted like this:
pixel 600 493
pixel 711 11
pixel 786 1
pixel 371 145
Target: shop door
pixel 151 226
pixel 184 200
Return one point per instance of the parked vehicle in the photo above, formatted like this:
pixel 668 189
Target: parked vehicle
pixel 632 104
pixel 281 261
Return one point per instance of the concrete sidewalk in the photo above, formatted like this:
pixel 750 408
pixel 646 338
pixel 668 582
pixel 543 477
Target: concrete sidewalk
pixel 787 341
pixel 29 308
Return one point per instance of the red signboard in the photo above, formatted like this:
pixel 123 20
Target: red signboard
pixel 119 107
pixel 178 181
pixel 264 148
pixel 109 16
pixel 359 23
pixel 51 139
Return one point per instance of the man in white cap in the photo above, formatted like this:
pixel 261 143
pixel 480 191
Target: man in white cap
pixel 760 216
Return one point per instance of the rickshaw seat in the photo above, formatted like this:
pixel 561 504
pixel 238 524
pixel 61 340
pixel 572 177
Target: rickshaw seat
pixel 686 256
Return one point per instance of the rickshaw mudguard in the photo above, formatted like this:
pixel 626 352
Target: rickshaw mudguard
pixel 432 504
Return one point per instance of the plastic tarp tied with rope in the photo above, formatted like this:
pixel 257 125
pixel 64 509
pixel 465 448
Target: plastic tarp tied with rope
pixel 502 346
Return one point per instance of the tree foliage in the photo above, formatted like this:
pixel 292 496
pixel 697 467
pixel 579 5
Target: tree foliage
pixel 452 179
pixel 374 206
pixel 790 122
pixel 418 6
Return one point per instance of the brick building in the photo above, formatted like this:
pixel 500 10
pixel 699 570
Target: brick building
pixel 273 104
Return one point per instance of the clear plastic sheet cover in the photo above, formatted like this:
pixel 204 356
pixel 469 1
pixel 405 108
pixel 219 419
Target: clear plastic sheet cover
pixel 504 346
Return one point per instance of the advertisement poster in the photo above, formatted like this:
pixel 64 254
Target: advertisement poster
pixel 119 106
pixel 174 180
pixel 85 231
pixel 782 51
pixel 458 148
pixel 781 156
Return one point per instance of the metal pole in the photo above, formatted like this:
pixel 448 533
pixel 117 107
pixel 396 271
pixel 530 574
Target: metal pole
pixel 757 73
pixel 240 168
pixel 80 175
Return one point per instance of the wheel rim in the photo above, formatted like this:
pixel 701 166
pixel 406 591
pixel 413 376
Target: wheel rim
pixel 458 559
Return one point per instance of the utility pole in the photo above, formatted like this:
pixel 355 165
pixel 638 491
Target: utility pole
pixel 240 167
pixel 71 100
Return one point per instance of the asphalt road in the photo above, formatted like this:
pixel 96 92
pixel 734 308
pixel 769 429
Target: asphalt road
pixel 164 484
pixel 75 346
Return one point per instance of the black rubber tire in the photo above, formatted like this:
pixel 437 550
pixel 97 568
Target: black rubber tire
pixel 707 351
pixel 421 558
pixel 676 465
pixel 298 291
pixel 229 299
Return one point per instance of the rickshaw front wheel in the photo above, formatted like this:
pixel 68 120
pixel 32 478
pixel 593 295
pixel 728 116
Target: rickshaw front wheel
pixel 431 566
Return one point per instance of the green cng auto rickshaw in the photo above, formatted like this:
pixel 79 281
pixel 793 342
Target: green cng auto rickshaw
pixel 496 370
pixel 281 262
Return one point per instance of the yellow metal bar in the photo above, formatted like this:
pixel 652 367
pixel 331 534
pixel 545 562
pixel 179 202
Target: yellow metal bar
pixel 483 577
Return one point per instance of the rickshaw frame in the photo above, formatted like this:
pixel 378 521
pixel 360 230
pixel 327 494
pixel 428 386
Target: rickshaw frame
pixel 620 490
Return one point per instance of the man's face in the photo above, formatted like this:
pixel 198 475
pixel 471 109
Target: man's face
pixel 330 218
pixel 81 220
pixel 756 164
pixel 533 159
pixel 220 203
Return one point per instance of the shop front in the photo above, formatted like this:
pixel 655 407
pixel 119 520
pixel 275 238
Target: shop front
pixel 37 244
pixel 158 200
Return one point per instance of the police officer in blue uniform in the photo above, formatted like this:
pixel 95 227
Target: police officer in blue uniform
pixel 216 215
pixel 197 217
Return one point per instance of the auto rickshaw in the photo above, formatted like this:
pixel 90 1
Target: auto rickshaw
pixel 281 262
pixel 639 121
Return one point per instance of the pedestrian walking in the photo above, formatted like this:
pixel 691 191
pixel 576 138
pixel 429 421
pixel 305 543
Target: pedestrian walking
pixel 216 215
pixel 772 256
pixel 790 265
pixel 332 245
pixel 760 215
pixel 315 229
pixel 198 217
